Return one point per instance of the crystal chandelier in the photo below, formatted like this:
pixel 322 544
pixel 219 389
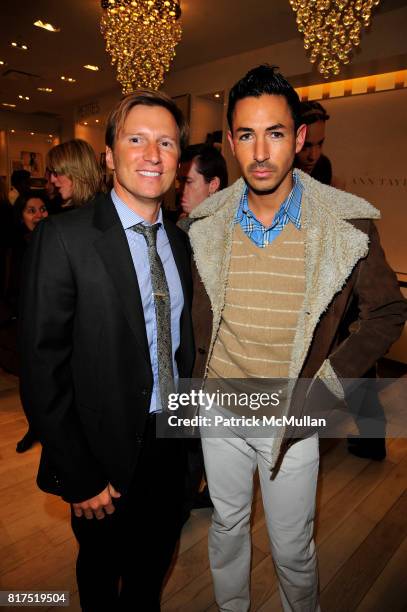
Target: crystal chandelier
pixel 141 36
pixel 331 29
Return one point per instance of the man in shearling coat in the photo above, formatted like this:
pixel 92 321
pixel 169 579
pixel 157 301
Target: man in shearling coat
pixel 286 258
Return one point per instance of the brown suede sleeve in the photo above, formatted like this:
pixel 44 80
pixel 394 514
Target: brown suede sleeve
pixel 382 313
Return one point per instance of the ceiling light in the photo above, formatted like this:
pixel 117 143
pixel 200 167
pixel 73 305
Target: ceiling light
pixel 50 136
pixel 96 120
pixel 332 29
pixel 217 95
pixel 91 67
pixel 46 89
pixel 23 97
pixel 8 105
pixel 12 131
pixel 68 79
pixel 85 123
pixel 46 26
pixel 2 63
pixel 18 45
pixel 141 38
pixel 31 133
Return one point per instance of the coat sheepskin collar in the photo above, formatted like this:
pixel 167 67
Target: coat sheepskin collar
pixel 336 202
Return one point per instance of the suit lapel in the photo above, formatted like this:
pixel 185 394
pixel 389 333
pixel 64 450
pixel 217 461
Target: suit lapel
pixel 113 249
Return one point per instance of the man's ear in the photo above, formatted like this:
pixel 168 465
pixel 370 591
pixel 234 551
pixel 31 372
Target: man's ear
pixel 214 185
pixel 300 138
pixel 109 158
pixel 231 143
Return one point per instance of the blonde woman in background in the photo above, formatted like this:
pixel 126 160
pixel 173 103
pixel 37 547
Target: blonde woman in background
pixel 74 170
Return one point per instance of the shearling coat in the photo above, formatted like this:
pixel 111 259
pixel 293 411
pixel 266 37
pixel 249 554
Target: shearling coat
pixel 344 262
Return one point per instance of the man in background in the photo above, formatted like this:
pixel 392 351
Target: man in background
pixel 202 173
pixel 311 159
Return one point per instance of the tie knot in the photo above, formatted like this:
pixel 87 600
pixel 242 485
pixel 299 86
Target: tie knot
pixel 148 231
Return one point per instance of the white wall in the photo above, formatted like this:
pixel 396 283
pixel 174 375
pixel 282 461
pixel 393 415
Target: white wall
pixel 94 135
pixel 367 144
pixel 206 116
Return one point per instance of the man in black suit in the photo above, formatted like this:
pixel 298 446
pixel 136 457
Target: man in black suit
pixel 91 378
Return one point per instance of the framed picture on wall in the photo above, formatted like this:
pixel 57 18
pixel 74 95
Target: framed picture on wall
pixel 33 162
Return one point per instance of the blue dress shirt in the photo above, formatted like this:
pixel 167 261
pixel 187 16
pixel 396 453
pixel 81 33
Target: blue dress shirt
pixel 290 210
pixel 139 254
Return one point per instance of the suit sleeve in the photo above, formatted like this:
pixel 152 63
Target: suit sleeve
pixel 47 315
pixel 382 314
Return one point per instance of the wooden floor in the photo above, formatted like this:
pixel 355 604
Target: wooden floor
pixel 361 532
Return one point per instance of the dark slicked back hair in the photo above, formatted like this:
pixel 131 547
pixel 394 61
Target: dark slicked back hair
pixel 311 112
pixel 264 79
pixel 143 97
pixel 209 162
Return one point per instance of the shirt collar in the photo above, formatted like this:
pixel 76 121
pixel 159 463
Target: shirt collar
pixel 129 217
pixel 290 207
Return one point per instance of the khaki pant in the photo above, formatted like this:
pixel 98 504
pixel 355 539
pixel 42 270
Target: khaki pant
pixel 289 507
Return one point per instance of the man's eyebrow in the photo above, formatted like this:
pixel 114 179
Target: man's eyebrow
pixel 143 132
pixel 276 126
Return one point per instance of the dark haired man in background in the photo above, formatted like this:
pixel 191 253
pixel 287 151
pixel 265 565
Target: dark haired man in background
pixel 279 257
pixel 105 332
pixel 202 173
pixel 311 159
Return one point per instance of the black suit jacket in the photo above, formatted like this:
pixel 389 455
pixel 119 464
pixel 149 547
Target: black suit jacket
pixel 86 377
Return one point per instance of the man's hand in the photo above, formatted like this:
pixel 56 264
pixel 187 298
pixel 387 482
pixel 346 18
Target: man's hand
pixel 98 505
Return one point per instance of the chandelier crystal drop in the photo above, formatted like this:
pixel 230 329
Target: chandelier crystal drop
pixel 331 28
pixel 141 36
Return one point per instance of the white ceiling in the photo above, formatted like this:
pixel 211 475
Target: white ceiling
pixel 211 29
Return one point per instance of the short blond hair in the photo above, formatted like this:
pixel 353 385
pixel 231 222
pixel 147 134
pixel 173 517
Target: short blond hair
pixel 144 97
pixel 77 160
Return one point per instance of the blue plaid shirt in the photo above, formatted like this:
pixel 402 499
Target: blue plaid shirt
pixel 290 210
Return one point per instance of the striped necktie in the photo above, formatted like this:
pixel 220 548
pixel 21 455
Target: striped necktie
pixel 162 305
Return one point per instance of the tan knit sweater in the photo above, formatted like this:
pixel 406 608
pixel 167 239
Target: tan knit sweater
pixel 264 295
